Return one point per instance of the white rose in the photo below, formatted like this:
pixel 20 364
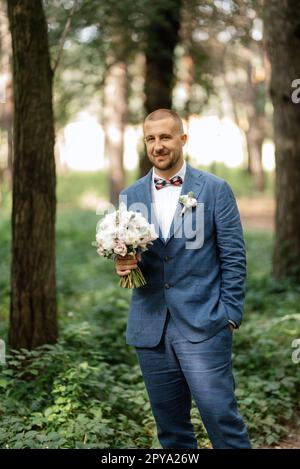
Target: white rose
pixel 190 202
pixel 120 248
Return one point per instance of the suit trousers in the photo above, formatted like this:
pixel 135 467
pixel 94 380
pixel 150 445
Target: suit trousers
pixel 177 370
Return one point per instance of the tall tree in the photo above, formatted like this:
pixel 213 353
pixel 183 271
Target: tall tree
pixel 248 96
pixel 282 21
pixel 33 311
pixel 6 108
pixel 191 71
pixel 114 115
pixel 162 35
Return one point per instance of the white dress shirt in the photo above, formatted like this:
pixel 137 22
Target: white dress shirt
pixel 165 201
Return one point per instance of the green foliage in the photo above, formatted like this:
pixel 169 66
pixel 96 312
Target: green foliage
pixel 99 34
pixel 87 390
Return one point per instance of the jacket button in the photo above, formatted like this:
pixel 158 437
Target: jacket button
pixel 167 285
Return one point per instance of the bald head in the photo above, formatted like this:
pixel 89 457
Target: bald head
pixel 160 114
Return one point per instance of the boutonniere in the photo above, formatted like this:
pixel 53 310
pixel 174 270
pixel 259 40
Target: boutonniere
pixel 188 201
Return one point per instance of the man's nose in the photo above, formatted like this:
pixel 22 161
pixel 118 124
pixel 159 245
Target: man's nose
pixel 157 145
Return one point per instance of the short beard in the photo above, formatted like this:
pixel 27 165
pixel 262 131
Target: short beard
pixel 170 165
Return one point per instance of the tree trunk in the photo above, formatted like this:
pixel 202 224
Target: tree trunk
pixel 255 132
pixel 188 25
pixel 255 139
pixel 162 35
pixel 115 110
pixel 33 320
pixel 6 108
pixel 282 40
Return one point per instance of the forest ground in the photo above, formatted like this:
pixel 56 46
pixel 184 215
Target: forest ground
pixel 92 363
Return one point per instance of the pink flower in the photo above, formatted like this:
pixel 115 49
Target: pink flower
pixel 120 248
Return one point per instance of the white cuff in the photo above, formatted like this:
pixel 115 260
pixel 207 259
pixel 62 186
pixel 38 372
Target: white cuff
pixel 233 323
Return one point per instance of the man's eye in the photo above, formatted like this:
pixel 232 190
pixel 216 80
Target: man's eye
pixel 165 138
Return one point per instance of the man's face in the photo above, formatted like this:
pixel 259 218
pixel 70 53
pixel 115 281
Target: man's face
pixel 164 143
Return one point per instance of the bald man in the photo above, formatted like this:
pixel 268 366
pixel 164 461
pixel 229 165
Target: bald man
pixel 181 322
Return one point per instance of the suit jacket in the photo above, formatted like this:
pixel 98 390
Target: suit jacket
pixel 198 272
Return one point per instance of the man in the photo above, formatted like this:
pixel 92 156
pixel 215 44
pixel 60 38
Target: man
pixel 181 321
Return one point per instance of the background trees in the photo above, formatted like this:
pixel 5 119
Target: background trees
pixel 128 60
pixel 115 62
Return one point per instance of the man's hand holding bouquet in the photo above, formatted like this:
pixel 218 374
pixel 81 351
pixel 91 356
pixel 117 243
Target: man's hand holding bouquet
pixel 123 235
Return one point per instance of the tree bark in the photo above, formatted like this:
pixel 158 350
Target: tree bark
pixel 254 146
pixel 162 34
pixel 282 40
pixel 250 96
pixel 33 311
pixel 256 131
pixel 115 110
pixel 188 24
pixel 6 108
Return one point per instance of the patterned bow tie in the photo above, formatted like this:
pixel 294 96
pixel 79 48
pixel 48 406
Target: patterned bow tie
pixel 160 183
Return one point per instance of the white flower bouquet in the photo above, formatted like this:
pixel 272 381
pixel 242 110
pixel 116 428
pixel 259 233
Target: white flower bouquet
pixel 124 232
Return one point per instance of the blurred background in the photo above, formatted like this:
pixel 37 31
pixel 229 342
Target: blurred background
pixel 116 63
pixel 77 78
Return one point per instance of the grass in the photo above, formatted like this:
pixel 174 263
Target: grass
pixel 74 185
pixel 87 390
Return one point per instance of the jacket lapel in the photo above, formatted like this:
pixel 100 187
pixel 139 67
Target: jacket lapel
pixel 145 196
pixel 193 182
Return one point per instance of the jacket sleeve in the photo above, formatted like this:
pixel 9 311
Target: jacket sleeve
pixel 232 252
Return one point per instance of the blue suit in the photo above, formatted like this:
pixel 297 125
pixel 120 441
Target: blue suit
pixel 195 284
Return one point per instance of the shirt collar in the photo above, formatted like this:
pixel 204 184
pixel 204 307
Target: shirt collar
pixel 180 173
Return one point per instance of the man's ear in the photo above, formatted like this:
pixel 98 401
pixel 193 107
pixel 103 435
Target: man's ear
pixel 183 138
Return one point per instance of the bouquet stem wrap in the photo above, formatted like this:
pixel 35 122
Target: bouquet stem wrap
pixel 133 280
